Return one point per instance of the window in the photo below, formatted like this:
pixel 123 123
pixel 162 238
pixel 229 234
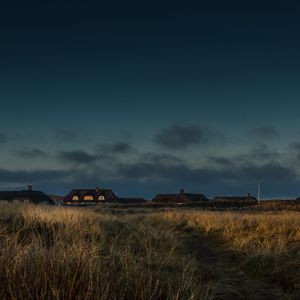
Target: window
pixel 26 201
pixel 88 198
pixel 16 201
pixel 75 198
pixel 101 198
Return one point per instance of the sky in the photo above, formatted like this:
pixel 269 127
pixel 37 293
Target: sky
pixel 150 97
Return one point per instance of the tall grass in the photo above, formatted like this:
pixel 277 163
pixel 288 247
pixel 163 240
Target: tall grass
pixel 65 253
pixel 265 244
pixel 74 253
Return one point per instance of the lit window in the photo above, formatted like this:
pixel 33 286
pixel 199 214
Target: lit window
pixel 88 198
pixel 26 201
pixel 101 198
pixel 75 198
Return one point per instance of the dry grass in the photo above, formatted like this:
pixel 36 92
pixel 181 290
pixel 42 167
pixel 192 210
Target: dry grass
pixel 266 245
pixel 63 253
pixel 69 253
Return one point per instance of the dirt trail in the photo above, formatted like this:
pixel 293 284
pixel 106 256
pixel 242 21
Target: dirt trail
pixel 234 284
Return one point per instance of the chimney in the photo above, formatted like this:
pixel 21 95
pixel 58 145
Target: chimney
pixel 249 195
pixel 181 191
pixel 29 188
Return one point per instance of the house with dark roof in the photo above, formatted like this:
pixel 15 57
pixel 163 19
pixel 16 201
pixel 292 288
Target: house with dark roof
pixel 90 197
pixel 248 198
pixel 26 196
pixel 181 197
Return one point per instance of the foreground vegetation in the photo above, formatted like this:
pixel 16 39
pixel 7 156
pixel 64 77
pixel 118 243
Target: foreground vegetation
pixel 69 253
pixel 260 251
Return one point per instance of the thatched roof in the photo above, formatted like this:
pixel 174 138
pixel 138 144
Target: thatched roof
pixel 106 195
pixel 35 197
pixel 235 198
pixel 179 198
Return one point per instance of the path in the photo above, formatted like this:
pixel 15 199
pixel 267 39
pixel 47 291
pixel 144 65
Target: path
pixel 221 266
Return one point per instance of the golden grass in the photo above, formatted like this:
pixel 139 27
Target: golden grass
pixel 74 253
pixel 268 244
pixel 65 253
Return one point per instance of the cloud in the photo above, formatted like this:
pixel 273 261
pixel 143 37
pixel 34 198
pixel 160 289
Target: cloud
pixel 163 173
pixel 164 158
pixel 228 170
pixel 221 161
pixel 259 153
pixel 269 172
pixel 77 157
pixel 262 151
pixel 295 146
pixel 121 148
pixel 295 152
pixel 115 148
pixel 183 136
pixel 265 133
pixel 145 174
pixel 104 153
pixel 23 176
pixel 31 153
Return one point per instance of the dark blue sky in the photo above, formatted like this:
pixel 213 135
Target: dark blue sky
pixel 150 97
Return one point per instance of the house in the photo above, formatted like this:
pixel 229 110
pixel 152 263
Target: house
pixel 248 198
pixel 181 197
pixel 90 197
pixel 26 196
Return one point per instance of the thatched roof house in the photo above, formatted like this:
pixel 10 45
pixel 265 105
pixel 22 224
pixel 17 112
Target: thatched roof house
pixel 26 196
pixel 248 198
pixel 181 197
pixel 90 197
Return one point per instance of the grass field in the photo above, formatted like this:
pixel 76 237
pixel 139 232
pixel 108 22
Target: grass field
pixel 69 253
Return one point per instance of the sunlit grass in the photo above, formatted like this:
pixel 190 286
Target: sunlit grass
pixel 78 253
pixel 268 244
pixel 63 253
